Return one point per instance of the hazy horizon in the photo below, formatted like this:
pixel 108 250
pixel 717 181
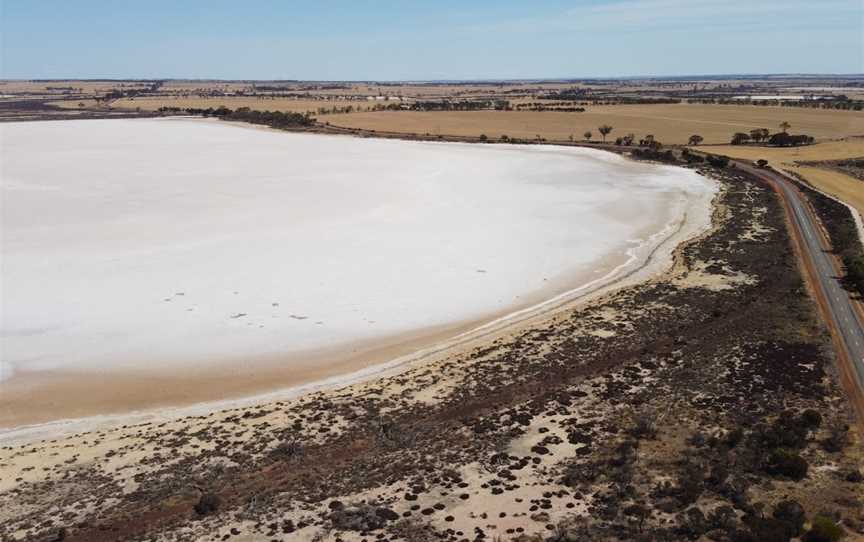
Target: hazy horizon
pixel 683 76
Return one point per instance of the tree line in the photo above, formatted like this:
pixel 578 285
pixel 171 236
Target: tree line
pixel 274 119
pixel 779 139
pixel 839 102
pixel 461 105
pixel 567 107
pixel 584 98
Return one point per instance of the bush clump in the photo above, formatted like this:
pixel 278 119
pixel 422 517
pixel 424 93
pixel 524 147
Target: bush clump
pixel 718 161
pixel 824 530
pixel 209 503
pixel 791 513
pixel 787 463
pixel 362 517
pixel 766 530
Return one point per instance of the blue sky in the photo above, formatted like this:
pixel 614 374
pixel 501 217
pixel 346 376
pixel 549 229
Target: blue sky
pixel 444 39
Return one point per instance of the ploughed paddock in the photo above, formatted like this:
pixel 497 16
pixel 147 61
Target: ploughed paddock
pixel 703 402
pixel 156 262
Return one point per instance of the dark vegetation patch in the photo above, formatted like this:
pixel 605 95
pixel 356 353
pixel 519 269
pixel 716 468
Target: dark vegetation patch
pixel 854 167
pixel 273 119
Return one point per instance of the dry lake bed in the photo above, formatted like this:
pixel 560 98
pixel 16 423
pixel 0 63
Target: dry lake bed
pixel 141 255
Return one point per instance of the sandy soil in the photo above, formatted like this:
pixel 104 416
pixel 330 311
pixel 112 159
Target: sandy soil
pixel 668 123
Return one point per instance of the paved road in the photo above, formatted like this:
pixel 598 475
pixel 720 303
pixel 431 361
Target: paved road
pixel 842 312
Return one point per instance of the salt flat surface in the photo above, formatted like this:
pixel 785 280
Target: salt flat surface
pixel 149 243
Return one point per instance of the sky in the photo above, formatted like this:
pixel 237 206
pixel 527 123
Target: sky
pixel 430 40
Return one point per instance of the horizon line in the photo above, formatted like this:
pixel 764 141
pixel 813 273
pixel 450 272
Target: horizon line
pixel 454 80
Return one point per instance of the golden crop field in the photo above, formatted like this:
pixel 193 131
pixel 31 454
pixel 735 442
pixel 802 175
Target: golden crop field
pixel 672 124
pixel 852 147
pixel 833 182
pixel 55 87
pixel 235 102
pixel 75 104
pixel 839 185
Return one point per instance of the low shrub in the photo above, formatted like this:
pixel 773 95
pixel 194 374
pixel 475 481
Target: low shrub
pixel 209 503
pixel 791 513
pixel 362 517
pixel 768 529
pixel 786 463
pixel 718 161
pixel 824 530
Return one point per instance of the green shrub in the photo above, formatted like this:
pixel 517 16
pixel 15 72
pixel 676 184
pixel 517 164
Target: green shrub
pixel 784 462
pixel 837 440
pixel 208 504
pixel 811 419
pixel 824 530
pixel 791 513
pixel 718 161
pixel 768 529
pixel 361 517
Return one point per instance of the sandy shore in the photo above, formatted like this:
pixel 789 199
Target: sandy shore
pixel 41 404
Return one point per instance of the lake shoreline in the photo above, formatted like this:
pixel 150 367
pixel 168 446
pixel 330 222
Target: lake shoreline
pixel 125 398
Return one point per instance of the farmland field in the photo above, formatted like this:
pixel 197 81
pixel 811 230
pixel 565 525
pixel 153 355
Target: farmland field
pixel 668 123
pixel 261 103
pixel 842 186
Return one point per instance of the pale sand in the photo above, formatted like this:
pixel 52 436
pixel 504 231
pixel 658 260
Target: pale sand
pixel 294 374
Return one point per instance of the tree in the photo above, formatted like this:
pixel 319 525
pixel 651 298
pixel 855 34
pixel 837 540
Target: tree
pixel 740 138
pixel 759 134
pixel 785 126
pixel 782 139
pixel 588 135
pixel 695 139
pixel 604 130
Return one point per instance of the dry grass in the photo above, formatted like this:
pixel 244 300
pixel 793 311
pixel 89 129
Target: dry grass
pixel 54 87
pixel 841 186
pixel 831 150
pixel 74 104
pixel 668 123
pixel 234 102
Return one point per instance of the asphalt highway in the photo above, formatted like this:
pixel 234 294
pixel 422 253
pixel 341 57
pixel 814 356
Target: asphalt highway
pixel 846 320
